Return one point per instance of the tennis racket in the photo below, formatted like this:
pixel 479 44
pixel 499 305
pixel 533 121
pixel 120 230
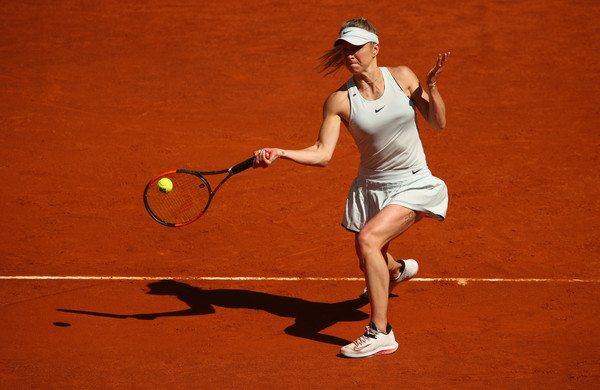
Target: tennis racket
pixel 187 196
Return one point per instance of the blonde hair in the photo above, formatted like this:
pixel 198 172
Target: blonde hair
pixel 332 60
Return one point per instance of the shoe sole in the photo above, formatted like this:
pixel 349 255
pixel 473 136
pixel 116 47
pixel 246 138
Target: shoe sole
pixel 388 350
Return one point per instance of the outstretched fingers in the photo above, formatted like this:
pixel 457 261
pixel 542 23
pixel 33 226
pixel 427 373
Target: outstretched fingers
pixel 434 73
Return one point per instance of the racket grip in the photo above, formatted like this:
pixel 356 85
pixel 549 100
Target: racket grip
pixel 242 166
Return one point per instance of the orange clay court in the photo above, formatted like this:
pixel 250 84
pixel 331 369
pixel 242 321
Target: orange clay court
pixel 261 292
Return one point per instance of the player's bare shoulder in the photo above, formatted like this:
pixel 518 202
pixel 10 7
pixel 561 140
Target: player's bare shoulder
pixel 406 78
pixel 401 72
pixel 338 103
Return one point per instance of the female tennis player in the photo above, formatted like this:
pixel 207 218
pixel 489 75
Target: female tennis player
pixel 394 187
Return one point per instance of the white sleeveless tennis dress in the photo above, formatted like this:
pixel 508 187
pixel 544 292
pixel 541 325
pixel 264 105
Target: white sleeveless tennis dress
pixel 393 168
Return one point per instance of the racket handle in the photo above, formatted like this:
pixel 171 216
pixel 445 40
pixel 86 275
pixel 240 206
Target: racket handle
pixel 242 166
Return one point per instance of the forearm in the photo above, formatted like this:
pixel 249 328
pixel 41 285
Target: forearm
pixel 437 109
pixel 314 155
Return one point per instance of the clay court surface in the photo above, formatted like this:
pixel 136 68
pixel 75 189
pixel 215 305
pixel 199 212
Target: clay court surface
pixel 99 97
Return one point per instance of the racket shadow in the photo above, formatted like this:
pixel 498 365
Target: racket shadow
pixel 310 317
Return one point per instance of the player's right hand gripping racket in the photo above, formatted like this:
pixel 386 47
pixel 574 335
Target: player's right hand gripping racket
pixel 189 196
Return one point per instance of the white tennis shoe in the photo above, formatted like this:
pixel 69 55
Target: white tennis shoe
pixel 408 269
pixel 371 343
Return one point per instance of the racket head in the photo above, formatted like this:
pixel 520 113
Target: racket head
pixel 184 204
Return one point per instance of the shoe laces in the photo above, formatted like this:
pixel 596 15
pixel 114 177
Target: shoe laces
pixel 369 334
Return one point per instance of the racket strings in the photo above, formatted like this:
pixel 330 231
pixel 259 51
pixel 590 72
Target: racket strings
pixel 184 203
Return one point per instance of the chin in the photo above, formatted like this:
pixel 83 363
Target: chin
pixel 353 68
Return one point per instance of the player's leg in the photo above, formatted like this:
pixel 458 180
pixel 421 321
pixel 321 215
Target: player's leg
pixel 371 246
pixel 393 266
pixel 373 238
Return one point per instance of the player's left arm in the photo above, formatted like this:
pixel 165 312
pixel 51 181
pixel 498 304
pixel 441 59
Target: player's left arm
pixel 430 104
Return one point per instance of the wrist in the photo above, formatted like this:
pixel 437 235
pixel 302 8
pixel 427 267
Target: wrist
pixel 431 86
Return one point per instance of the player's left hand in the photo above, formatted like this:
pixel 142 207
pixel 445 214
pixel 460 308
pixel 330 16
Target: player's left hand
pixel 434 73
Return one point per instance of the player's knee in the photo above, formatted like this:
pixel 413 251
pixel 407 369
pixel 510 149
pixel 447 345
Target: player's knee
pixel 367 243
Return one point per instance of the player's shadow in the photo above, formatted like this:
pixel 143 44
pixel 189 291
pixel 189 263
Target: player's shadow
pixel 310 317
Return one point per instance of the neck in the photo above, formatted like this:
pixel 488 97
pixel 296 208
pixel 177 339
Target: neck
pixel 369 78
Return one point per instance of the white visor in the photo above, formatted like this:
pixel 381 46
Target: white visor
pixel 356 36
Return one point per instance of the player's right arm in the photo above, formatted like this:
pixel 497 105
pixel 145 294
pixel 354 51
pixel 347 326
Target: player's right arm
pixel 320 153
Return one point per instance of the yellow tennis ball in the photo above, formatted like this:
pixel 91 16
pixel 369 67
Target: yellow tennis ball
pixel 165 185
